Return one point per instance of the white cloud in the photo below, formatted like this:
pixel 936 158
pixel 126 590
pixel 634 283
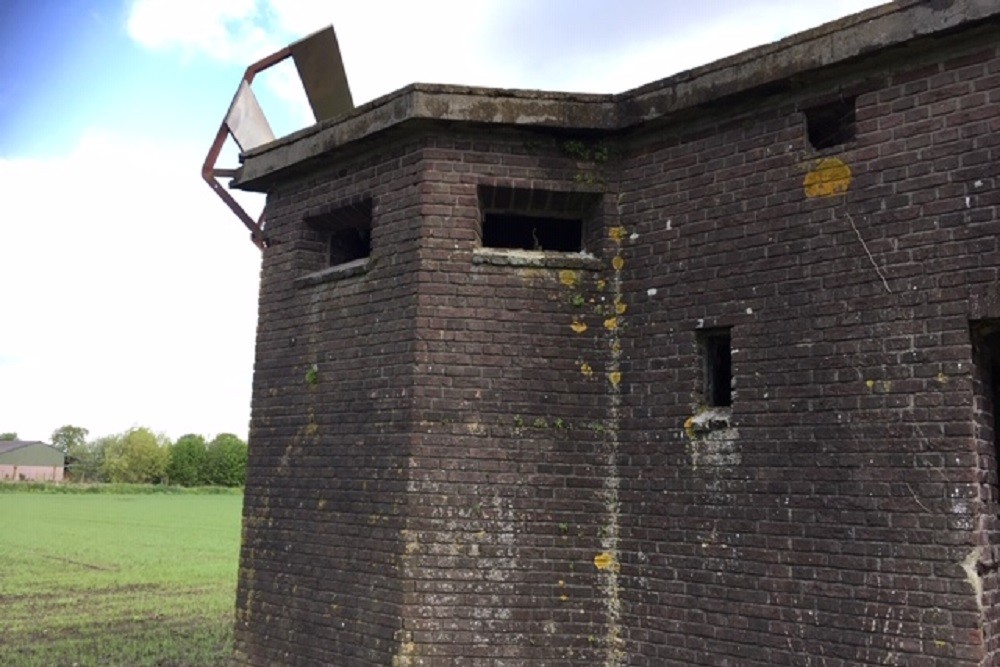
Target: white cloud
pixel 387 45
pixel 635 62
pixel 129 294
pixel 231 31
pixel 583 45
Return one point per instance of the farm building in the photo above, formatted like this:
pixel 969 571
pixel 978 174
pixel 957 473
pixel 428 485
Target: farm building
pixel 702 373
pixel 30 461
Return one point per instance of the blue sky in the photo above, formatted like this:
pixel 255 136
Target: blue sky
pixel 127 290
pixel 67 64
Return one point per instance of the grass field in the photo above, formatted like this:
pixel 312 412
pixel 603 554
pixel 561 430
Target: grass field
pixel 130 580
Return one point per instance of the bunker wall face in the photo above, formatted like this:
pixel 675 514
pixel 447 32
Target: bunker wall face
pixel 843 508
pixel 329 439
pixel 469 455
pixel 431 472
pixel 510 497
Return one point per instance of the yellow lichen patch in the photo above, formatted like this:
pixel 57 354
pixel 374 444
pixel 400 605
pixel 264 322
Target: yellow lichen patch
pixel 586 369
pixel 606 561
pixel 578 327
pixel 601 284
pixel 312 429
pixel 321 504
pixel 942 378
pixel 611 323
pixel 412 545
pixel 620 307
pixel 616 346
pixel 615 378
pixel 829 177
pixel 617 263
pixel 689 426
pixel 870 384
pixel 406 656
pixel 569 278
pixel 617 234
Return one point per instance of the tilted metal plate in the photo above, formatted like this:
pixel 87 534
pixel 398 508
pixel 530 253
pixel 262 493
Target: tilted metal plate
pixel 246 120
pixel 321 69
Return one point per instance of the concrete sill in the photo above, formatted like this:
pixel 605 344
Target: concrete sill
pixel 350 269
pixel 536 258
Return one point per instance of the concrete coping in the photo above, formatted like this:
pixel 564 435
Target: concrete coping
pixel 343 271
pixel 536 259
pixel 833 43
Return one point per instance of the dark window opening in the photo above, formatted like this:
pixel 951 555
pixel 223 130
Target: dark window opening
pixel 528 232
pixel 345 232
pixel 986 378
pixel 347 245
pixel 831 124
pixel 717 358
pixel 536 219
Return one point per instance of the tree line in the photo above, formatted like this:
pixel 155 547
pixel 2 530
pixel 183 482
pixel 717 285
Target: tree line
pixel 141 456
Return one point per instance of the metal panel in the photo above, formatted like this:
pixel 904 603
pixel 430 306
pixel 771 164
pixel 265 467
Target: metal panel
pixel 321 69
pixel 246 120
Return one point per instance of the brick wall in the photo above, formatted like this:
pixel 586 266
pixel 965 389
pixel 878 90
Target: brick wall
pixel 508 505
pixel 852 512
pixel 430 433
pixel 466 457
pixel 330 429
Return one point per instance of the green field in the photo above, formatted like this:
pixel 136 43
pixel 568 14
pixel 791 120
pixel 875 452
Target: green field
pixel 113 579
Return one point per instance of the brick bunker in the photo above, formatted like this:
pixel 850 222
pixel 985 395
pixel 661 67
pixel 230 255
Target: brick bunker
pixel 703 373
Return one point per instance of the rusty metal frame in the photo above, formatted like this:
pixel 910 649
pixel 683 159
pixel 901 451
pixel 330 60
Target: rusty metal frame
pixel 208 170
pixel 321 70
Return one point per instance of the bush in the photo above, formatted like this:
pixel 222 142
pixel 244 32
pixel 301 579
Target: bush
pixel 226 462
pixel 136 456
pixel 188 461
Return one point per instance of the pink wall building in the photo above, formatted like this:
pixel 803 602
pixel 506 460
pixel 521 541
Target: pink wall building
pixel 26 461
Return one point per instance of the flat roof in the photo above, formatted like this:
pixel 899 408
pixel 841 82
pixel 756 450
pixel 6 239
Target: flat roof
pixel 830 44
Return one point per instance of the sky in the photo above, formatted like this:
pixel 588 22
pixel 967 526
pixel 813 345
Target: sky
pixel 128 291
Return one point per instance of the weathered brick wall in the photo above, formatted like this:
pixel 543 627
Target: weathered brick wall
pixel 325 495
pixel 430 478
pixel 508 493
pixel 462 457
pixel 853 516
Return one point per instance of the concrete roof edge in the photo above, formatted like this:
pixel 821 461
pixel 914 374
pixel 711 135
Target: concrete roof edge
pixel 431 102
pixel 835 42
pixel 828 44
